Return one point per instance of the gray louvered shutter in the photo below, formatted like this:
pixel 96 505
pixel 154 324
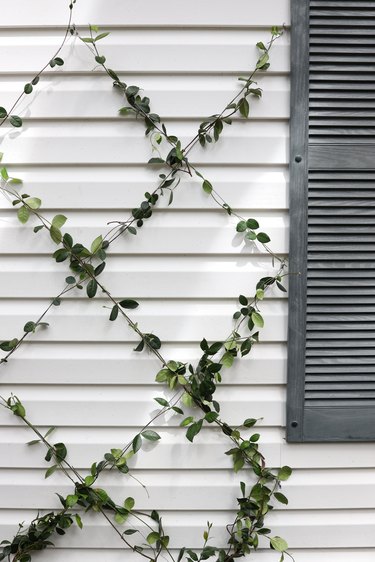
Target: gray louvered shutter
pixel 331 372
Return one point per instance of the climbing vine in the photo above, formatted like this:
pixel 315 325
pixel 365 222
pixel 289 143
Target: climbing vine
pixel 193 385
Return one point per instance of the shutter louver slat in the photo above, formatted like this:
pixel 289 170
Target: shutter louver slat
pixel 336 312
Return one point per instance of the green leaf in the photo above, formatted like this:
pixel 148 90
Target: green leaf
pixel 193 430
pixel 257 319
pixel 114 313
pixel 4 174
pixel 281 287
pixel 33 202
pixel 113 74
pixel 70 280
pixel 262 61
pixel 56 234
pixel 244 107
pixel 178 410
pixel 71 500
pixel 51 429
pixel 263 237
pixel 129 503
pixel 33 442
pixel 252 223
pixel 227 359
pixel 156 161
pixel 97 244
pixel 59 61
pixel 187 400
pixel 279 544
pixel 15 120
pixel 61 255
pixel 129 303
pixel 153 537
pixel 187 421
pixel 68 240
pixel 50 471
pixel 8 345
pixel 241 226
pixel 29 327
pixel 150 435
pixel 281 498
pixel 207 187
pixel 162 401
pixel 78 521
pixel 214 348
pixel 211 416
pixel 16 181
pixel 3 112
pixel 28 88
pixel 243 300
pixel 23 214
pixel 101 36
pixel 87 39
pixel 120 519
pixel 255 92
pixel 92 288
pixel 100 59
pixel 60 451
pixel 249 422
pixel 89 480
pixel 59 220
pixel 260 294
pixel 261 46
pixel 130 531
pixel 137 443
pixel 18 410
pixel 284 473
pixel 238 464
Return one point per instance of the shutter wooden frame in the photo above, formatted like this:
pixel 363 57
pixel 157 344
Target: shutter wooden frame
pixel 344 155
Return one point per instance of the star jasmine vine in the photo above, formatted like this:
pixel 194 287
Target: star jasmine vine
pixel 193 385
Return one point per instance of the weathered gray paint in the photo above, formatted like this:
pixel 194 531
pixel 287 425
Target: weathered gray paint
pixel 298 217
pixel 331 371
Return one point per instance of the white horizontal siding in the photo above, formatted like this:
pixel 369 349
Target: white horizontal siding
pixel 250 188
pixel 304 555
pixel 267 364
pixel 122 143
pixel 64 97
pixel 97 441
pixel 157 237
pixel 153 51
pixel 121 13
pixel 177 321
pixel 190 277
pixel 194 488
pixel 187 267
pixel 311 529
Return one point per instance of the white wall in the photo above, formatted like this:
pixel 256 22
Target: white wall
pixel 80 374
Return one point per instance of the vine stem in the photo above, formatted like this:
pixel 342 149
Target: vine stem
pixel 123 226
pixel 62 293
pixel 46 223
pixel 133 325
pixel 64 465
pixel 22 94
pixel 190 145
